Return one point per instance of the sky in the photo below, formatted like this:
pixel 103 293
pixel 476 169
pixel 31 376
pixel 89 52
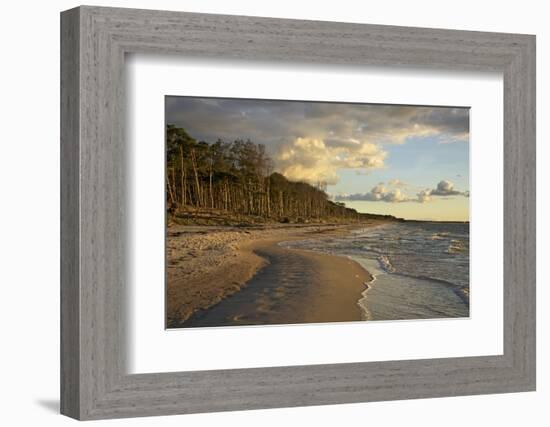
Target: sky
pixel 408 161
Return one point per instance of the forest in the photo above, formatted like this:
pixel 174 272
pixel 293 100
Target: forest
pixel 237 180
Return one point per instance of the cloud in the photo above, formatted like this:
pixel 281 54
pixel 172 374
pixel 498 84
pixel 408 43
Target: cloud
pixel 312 160
pixel 397 183
pixel 379 193
pixel 445 188
pixel 452 123
pixel 310 141
pixel 395 196
pixel 424 196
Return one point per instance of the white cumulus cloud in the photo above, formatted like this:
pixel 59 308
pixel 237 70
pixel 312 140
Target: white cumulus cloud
pixel 312 160
pixel 445 188
pixel 380 193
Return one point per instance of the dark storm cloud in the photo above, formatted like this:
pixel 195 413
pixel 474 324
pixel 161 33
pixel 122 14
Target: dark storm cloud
pixel 454 121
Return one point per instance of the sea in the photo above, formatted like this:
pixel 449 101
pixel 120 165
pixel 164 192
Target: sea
pixel 420 269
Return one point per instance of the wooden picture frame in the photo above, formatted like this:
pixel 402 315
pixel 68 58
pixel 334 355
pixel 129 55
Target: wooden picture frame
pixel 94 382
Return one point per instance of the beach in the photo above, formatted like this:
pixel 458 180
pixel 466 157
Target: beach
pixel 420 269
pixel 242 276
pixel 288 212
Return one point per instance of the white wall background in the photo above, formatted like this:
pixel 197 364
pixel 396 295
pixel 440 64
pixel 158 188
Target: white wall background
pixel 29 213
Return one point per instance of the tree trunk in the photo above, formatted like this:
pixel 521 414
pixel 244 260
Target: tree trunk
pixel 211 193
pixel 183 195
pixel 170 191
pixel 197 183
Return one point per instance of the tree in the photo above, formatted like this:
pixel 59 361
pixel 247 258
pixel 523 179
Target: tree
pixel 238 177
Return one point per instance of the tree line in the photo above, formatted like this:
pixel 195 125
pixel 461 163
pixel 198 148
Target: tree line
pixel 238 178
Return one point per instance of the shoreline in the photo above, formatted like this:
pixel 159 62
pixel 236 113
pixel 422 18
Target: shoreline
pixel 208 265
pixel 342 283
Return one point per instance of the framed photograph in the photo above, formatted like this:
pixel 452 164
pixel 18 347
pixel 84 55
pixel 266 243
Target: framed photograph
pixel 261 213
pixel 273 233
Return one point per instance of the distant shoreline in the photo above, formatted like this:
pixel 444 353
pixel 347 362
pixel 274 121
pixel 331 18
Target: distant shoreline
pixel 208 264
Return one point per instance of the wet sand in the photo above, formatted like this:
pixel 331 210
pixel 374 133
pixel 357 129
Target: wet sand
pixel 236 277
pixel 296 286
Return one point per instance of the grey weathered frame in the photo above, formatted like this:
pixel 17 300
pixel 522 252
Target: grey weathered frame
pixel 94 41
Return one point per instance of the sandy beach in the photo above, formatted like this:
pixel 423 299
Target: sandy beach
pixel 240 275
pixel 253 187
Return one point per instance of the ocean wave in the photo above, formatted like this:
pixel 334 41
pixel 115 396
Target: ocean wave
pixel 362 303
pixel 408 262
pixel 386 264
pixel 456 246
